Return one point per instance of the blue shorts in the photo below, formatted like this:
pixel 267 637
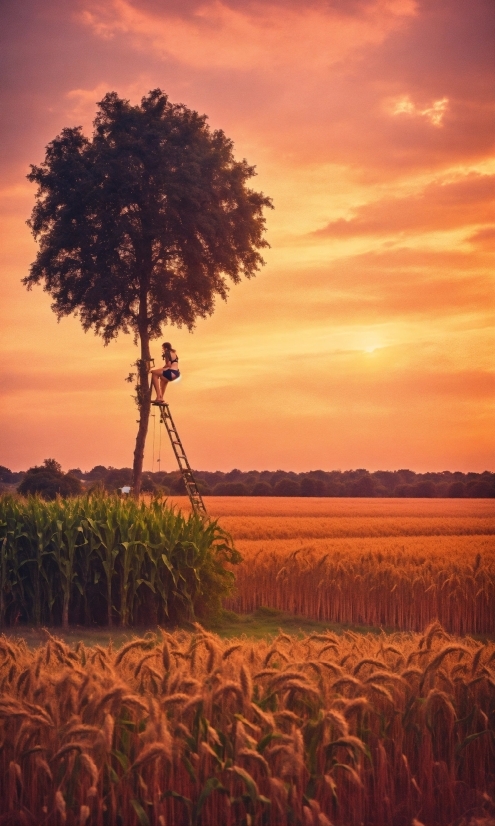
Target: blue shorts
pixel 170 374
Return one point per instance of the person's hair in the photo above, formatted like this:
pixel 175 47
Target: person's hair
pixel 167 345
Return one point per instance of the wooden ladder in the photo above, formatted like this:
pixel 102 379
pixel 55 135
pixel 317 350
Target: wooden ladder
pixel 195 497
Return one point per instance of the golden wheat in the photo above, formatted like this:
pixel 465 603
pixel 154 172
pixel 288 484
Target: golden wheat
pixel 259 507
pixel 395 590
pixel 350 729
pixel 393 563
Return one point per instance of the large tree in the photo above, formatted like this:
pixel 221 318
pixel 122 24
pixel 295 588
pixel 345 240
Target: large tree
pixel 142 225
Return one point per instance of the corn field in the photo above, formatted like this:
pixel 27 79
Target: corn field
pixel 100 559
pixel 184 729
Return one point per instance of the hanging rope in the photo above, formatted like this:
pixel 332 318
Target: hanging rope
pixel 160 447
pixel 153 454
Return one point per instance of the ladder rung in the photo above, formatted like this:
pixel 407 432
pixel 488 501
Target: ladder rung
pixel 180 454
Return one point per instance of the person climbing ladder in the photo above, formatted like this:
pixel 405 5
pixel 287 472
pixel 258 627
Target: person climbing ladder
pixel 162 375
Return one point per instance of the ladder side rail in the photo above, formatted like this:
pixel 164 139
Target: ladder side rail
pixel 176 443
pixel 173 430
pixel 181 457
pixel 193 493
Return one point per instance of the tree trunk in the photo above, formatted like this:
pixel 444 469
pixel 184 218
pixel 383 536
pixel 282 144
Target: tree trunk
pixel 144 401
pixel 143 382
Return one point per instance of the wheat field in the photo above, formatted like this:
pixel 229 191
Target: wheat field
pixel 179 729
pixel 396 563
pixel 261 519
pixel 182 728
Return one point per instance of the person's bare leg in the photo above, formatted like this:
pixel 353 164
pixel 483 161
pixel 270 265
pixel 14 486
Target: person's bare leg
pixel 156 384
pixel 163 384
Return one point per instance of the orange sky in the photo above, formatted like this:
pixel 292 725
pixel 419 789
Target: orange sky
pixel 367 340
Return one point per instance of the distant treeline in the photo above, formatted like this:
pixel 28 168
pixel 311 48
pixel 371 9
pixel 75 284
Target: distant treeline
pixel 403 483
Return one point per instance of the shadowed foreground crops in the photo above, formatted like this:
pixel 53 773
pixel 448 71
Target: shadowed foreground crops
pixel 187 729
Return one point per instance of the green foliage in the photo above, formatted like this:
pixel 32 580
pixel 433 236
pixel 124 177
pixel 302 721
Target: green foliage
pixel 230 489
pixel 287 487
pixel 143 225
pixel 92 559
pixel 48 481
pixel 380 483
pixel 155 201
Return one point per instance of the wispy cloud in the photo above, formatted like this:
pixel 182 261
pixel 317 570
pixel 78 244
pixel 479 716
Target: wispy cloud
pixel 433 112
pixel 442 205
pixel 250 36
pixel 368 338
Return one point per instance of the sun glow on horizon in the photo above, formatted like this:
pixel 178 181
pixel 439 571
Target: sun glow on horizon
pixel 367 339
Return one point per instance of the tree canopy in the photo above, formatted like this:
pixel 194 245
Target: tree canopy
pixel 143 225
pixel 48 481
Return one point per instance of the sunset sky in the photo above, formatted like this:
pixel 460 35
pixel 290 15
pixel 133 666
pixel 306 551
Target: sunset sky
pixel 367 340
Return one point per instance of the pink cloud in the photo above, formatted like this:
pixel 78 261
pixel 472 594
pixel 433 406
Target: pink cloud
pixel 315 82
pixel 433 112
pixel 484 239
pixel 440 206
pixel 249 36
pixel 336 102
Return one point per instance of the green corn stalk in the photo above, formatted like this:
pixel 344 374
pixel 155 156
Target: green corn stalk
pixel 3 568
pixel 130 563
pixel 54 548
pixel 159 573
pixel 145 565
pixel 164 533
pixel 65 544
pixel 182 556
pixel 156 571
pixel 86 575
pixel 108 536
pixel 39 533
pixel 12 576
pixel 184 561
pixel 207 548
